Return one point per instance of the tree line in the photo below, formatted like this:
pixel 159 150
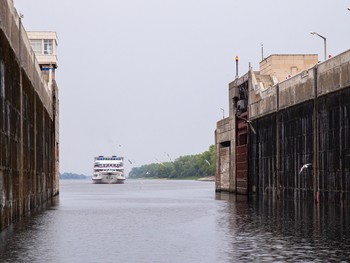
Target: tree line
pixel 71 176
pixel 189 166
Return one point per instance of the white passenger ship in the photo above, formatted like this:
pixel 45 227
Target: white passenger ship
pixel 108 170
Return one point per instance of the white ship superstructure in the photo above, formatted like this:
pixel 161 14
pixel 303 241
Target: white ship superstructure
pixel 108 170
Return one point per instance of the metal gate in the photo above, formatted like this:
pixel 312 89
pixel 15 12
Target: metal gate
pixel 242 154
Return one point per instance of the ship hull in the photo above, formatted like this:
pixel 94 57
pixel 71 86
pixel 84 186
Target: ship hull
pixel 108 178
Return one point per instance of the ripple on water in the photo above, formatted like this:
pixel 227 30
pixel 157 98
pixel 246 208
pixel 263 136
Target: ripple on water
pixel 174 221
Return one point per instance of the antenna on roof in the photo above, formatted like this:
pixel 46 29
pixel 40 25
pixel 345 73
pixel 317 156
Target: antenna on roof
pixel 262 51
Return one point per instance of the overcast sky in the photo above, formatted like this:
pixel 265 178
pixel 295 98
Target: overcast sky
pixel 152 75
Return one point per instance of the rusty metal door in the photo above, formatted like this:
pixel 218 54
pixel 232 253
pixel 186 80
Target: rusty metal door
pixel 242 155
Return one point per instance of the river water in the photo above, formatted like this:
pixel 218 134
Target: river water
pixel 175 221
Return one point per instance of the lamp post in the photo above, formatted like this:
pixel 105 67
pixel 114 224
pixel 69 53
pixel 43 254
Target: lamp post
pixel 324 43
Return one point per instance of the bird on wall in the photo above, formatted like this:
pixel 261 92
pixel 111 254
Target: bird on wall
pixel 304 167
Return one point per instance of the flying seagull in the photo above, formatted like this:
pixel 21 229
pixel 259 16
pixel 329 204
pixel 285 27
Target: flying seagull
pixel 249 123
pixel 304 167
pixel 168 156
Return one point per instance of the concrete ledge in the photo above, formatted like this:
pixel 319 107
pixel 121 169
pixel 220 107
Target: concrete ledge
pixel 224 130
pixel 264 106
pixel 334 74
pixel 296 90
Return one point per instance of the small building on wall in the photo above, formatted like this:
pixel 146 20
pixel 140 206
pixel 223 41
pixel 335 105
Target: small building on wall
pixel 44 45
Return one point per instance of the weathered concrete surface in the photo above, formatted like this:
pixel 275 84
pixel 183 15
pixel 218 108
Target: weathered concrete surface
pixel 296 90
pixel 224 139
pixel 333 74
pixel 262 157
pixel 333 170
pixel 28 122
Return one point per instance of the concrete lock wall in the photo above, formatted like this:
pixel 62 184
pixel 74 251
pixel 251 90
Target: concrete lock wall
pixel 302 120
pixel 28 124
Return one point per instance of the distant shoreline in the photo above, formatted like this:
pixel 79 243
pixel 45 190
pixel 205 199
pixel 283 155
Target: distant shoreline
pixel 207 179
pixel 203 179
pixel 72 176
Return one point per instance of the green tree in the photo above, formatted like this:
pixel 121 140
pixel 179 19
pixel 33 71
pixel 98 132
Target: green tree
pixel 188 166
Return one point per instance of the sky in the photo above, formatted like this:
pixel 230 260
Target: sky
pixel 146 79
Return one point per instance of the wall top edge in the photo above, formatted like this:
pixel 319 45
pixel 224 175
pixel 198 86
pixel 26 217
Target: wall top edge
pixel 284 55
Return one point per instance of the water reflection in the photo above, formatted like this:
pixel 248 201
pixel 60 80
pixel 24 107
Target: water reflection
pixel 18 241
pixel 268 230
pixel 175 221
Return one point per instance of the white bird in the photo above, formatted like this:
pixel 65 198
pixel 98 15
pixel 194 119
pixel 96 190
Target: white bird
pixel 304 167
pixel 249 123
pixel 207 162
pixel 168 156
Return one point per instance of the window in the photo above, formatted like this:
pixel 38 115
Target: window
pixel 48 46
pixel 36 45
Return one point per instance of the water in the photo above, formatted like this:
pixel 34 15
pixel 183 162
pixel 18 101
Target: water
pixel 175 221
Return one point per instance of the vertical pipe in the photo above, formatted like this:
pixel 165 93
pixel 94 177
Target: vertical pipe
pixel 43 157
pixel 315 141
pixel 55 147
pixel 49 84
pixel 21 200
pixel 277 171
pixel 341 183
pixel 35 172
pixel 233 162
pixel 217 168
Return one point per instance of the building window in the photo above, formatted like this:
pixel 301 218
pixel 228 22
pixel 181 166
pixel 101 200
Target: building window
pixel 36 45
pixel 48 46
